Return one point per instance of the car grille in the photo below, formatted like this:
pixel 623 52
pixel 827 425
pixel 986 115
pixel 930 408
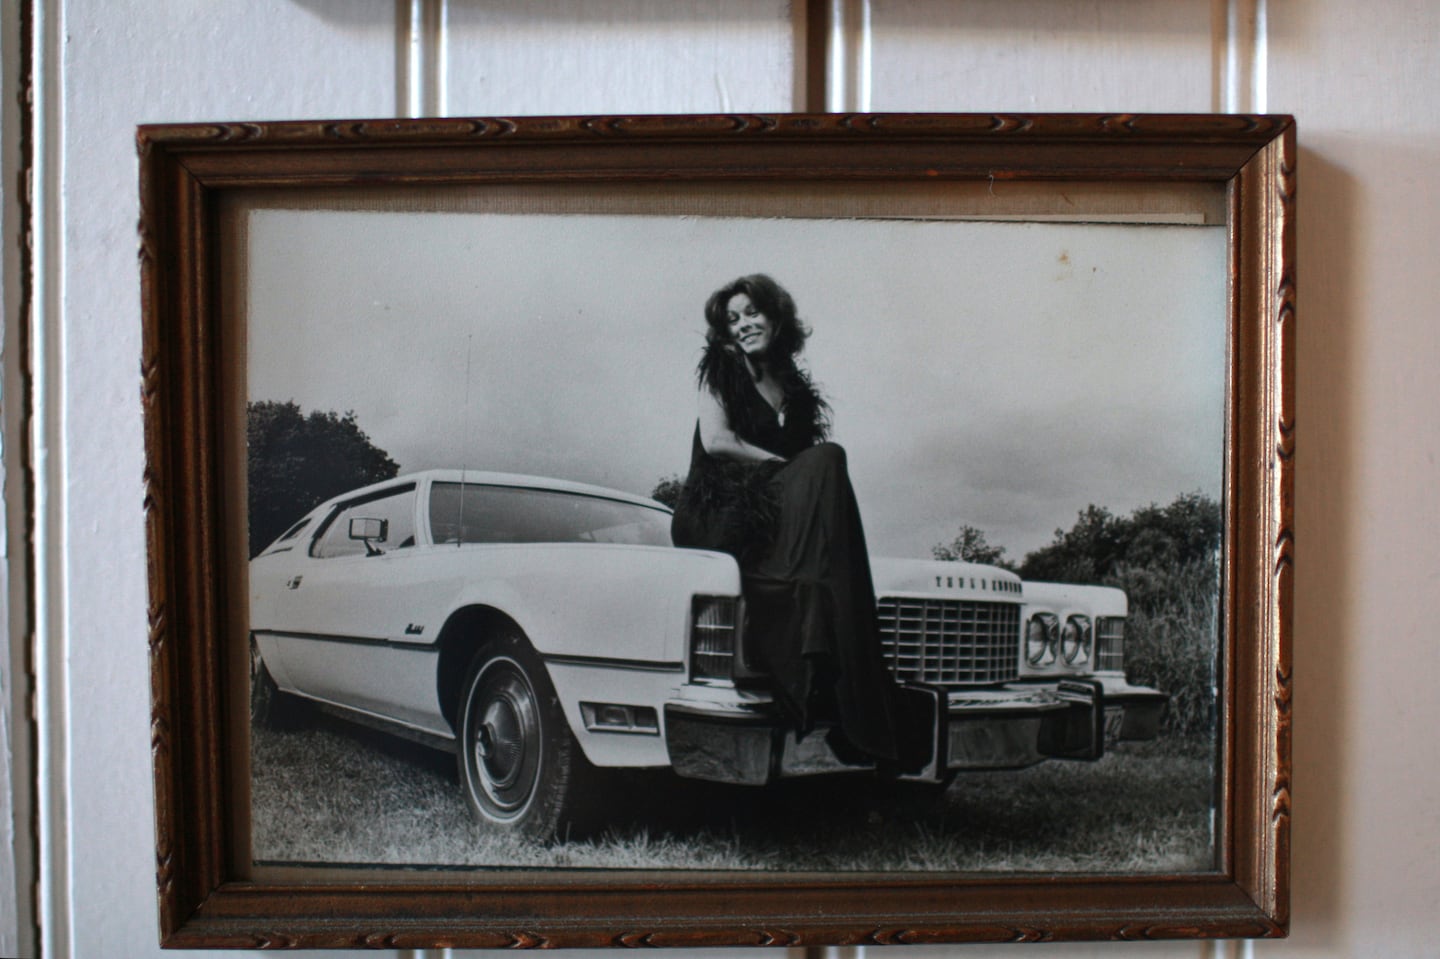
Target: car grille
pixel 950 642
pixel 1110 642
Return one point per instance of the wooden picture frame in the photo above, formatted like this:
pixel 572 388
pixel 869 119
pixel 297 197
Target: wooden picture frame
pixel 208 895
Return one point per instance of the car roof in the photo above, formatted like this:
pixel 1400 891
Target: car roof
pixel 487 478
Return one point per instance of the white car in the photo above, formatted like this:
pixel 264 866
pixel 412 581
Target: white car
pixel 541 628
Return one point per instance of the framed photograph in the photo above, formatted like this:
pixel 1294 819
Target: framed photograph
pixel 720 530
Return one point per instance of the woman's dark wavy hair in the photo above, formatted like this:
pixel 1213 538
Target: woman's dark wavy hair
pixel 724 372
pixel 770 298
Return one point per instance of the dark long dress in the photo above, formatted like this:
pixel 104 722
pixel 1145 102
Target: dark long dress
pixel 796 530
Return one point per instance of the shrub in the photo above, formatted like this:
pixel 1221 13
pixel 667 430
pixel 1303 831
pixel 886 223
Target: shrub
pixel 667 490
pixel 971 546
pixel 1171 639
pixel 1166 560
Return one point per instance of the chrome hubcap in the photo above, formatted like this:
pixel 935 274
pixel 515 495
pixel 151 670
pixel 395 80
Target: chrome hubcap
pixel 505 739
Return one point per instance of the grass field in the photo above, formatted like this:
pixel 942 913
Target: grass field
pixel 334 793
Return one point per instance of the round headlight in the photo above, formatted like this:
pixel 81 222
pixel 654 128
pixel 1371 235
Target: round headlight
pixel 1076 639
pixel 1040 635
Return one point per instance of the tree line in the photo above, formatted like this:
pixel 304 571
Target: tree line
pixel 295 461
pixel 1140 549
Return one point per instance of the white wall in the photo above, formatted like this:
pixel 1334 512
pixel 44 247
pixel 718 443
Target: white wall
pixel 1362 78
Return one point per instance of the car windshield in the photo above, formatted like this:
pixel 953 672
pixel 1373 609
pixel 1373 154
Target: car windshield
pixel 473 513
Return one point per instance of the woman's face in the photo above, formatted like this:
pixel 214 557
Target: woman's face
pixel 750 329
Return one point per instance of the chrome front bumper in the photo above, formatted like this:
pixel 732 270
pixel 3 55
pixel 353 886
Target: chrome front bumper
pixel 747 742
pixel 1132 713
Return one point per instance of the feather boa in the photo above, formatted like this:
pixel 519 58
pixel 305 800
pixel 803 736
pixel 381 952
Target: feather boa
pixel 740 502
pixel 722 370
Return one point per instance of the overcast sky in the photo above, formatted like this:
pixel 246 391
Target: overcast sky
pixel 1003 375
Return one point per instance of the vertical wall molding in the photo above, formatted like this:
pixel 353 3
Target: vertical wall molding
pixel 836 51
pixel 421 59
pixel 1228 949
pixel 1241 60
pixel 46 339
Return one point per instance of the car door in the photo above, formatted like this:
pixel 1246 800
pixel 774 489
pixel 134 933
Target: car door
pixel 349 632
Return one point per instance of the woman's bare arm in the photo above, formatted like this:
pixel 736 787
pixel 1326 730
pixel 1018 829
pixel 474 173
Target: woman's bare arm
pixel 720 440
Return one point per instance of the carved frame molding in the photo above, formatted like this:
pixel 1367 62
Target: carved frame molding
pixel 185 173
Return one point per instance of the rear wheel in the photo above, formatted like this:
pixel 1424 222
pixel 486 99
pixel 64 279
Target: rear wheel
pixel 520 765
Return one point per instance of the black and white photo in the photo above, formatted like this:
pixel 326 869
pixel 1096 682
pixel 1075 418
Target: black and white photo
pixel 1032 415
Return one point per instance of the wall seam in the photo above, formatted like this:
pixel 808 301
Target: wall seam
pixel 440 73
pixel 862 44
pixel 22 829
pixel 834 80
pixel 408 16
pixel 1260 72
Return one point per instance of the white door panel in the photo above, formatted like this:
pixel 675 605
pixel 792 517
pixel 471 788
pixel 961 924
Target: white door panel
pixel 390 682
pixel 620 56
pixel 1043 56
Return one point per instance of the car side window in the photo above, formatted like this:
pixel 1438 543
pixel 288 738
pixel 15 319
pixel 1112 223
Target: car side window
pixel 287 538
pixel 395 507
pixel 293 531
pixel 480 513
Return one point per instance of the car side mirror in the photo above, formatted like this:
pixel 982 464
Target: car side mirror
pixel 370 530
pixel 365 527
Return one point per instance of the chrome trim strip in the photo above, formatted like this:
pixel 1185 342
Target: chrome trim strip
pixel 605 662
pixel 348 640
